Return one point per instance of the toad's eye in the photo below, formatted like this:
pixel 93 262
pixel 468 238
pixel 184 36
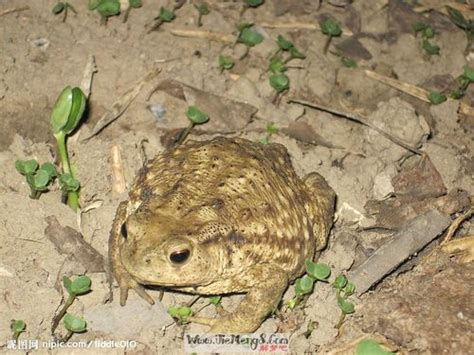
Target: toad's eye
pixel 180 256
pixel 123 231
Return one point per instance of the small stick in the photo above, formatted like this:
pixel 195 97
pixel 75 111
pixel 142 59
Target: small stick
pixel 359 119
pixel 118 179
pixel 455 225
pixel 15 9
pixel 211 36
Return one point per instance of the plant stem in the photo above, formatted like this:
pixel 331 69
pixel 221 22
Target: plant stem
pixel 67 336
pixel 326 45
pixel 63 311
pixel 15 336
pixel 185 133
pixel 72 196
pixel 35 194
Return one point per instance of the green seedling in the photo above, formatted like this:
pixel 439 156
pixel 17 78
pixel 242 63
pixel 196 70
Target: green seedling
pixel 77 287
pixel 463 82
pixel 133 4
pixel 467 25
pixel 63 7
pixel 348 62
pixel 277 65
pixel 105 8
pixel 436 97
pixel 215 300
pixel 181 314
pixel 344 289
pixel 248 37
pixel 310 329
pixel 280 82
pixel 67 112
pixel 166 15
pixel 38 178
pixel 203 10
pixel 195 117
pixel 427 33
pixel 370 347
pixel 285 45
pixel 73 325
pixel 270 130
pixel 304 285
pixel 330 28
pixel 226 63
pixel 17 327
pixel 250 3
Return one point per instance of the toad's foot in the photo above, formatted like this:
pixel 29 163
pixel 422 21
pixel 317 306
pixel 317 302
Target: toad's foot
pixel 464 247
pixel 123 277
pixel 261 300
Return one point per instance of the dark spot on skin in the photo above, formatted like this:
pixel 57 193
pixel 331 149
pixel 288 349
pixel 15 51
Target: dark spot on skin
pixel 236 238
pixel 217 204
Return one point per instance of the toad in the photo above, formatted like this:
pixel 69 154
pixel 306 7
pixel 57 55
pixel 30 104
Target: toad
pixel 220 217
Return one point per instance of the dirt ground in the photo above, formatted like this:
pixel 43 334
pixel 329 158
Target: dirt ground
pixel 423 306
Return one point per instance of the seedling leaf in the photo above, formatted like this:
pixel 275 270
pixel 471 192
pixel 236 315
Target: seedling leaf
pixel 340 282
pixel 226 62
pixel 81 285
pixel 50 169
pixel 17 326
pixel 304 285
pixel 419 26
pixel 166 15
pixel 135 3
pixel 92 5
pixel 68 183
pixel 469 73
pixel 77 110
pixel 203 9
pixel 295 53
pixel 436 97
pixel 430 48
pixel 280 82
pixel 58 8
pixel 283 43
pixel 277 65
pixel 428 32
pixel 41 180
pixel 215 300
pixel 345 306
pixel 26 167
pixel 107 8
pixel 457 18
pixel 349 289
pixel 330 27
pixel 74 324
pixel 249 37
pixel 318 271
pixel 271 128
pixel 67 284
pixel 61 110
pixel 254 3
pixel 348 62
pixel 196 116
pixel 370 347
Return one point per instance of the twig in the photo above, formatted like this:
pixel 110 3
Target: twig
pixel 89 71
pixel 118 179
pixel 211 36
pixel 15 9
pixel 297 26
pixel 359 119
pixel 455 225
pixel 414 91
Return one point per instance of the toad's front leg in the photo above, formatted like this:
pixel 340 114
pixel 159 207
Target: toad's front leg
pixel 261 300
pixel 123 277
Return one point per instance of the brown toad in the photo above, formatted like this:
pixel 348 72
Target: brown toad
pixel 221 216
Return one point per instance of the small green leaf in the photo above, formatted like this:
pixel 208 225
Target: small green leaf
pixel 74 324
pixel 203 9
pixel 215 300
pixel 67 284
pixel 249 37
pixel 135 3
pixel 456 94
pixel 196 116
pixel 330 27
pixel 468 73
pixel 349 289
pixel 77 110
pixel 271 128
pixel 283 43
pixel 81 285
pixel 348 62
pixel 173 311
pixel 370 347
pixel 436 97
pixel 226 62
pixel 26 167
pixel 296 54
pixel 340 282
pixel 428 32
pixel 293 303
pixel 243 25
pixel 184 311
pixel 430 48
pixel 41 180
pixel 107 8
pixel 17 326
pixel 166 15
pixel 304 285
pixel 61 110
pixel 345 306
pixel 457 18
pixel 50 169
pixel 317 271
pixel 58 8
pixel 277 66
pixel 254 3
pixel 68 183
pixel 280 82
pixel 263 141
pixel 419 26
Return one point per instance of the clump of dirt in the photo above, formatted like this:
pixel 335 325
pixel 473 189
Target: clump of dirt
pixel 359 133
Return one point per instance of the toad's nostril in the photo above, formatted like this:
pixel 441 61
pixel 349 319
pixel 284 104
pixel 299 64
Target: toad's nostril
pixel 123 231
